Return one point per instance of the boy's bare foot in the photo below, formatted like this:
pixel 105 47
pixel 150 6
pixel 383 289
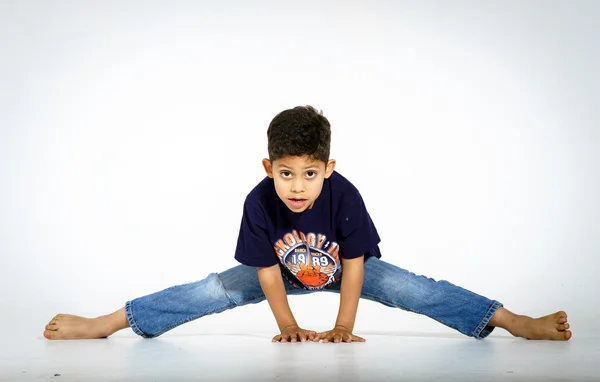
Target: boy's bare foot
pixel 551 327
pixel 70 327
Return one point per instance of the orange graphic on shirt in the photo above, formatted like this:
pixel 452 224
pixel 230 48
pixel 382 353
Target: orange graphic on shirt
pixel 312 276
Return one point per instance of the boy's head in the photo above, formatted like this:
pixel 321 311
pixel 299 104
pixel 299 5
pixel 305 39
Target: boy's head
pixel 298 144
pixel 298 132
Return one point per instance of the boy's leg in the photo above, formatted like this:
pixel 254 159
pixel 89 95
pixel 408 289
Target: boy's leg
pixel 154 314
pixel 157 313
pixel 453 306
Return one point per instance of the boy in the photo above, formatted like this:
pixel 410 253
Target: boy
pixel 301 226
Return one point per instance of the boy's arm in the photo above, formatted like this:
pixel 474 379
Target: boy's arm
pixel 274 290
pixel 352 281
pixel 350 290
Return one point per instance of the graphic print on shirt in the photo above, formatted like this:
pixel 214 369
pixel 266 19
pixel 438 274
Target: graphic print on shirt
pixel 310 258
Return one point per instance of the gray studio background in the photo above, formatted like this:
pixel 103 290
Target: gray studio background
pixel 131 132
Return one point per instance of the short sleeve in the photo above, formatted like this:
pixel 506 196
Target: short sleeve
pixel 253 246
pixel 357 233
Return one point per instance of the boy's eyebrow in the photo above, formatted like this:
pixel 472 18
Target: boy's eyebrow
pixel 305 168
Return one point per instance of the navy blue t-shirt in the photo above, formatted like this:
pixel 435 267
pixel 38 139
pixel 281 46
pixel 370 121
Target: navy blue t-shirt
pixel 307 245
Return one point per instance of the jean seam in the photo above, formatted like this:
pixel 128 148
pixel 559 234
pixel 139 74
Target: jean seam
pixel 382 300
pixel 226 292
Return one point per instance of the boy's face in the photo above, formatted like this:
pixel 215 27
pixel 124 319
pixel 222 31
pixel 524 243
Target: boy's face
pixel 298 180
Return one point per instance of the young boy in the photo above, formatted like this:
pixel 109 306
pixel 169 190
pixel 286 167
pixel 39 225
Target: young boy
pixel 303 227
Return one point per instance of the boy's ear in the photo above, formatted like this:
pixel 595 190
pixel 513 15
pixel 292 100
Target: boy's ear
pixel 268 168
pixel 329 168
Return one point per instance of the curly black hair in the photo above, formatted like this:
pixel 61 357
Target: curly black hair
pixel 297 132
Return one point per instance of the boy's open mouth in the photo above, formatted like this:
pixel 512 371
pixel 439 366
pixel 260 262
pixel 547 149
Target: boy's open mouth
pixel 297 202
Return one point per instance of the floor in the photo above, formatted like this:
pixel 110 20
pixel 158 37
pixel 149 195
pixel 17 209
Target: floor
pixel 244 357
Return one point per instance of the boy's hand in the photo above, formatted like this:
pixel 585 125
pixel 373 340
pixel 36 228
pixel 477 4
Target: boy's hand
pixel 337 335
pixel 293 333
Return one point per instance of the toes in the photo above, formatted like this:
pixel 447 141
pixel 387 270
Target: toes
pixel 567 335
pixel 562 336
pixel 562 327
pixel 561 319
pixel 48 334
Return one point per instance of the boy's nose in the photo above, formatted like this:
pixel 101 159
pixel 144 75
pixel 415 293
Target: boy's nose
pixel 297 187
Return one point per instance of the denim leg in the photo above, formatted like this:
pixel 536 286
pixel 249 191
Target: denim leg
pixel 157 313
pixel 453 306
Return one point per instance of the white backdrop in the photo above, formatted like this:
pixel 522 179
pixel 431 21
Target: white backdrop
pixel 132 131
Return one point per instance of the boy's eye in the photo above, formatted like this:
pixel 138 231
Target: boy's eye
pixel 311 174
pixel 286 174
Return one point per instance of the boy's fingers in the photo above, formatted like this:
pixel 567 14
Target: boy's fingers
pixel 329 336
pixel 359 339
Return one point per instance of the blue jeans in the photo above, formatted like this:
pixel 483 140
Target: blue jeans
pixel 453 306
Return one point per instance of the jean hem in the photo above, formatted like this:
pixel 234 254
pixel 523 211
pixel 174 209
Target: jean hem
pixel 131 320
pixel 484 329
